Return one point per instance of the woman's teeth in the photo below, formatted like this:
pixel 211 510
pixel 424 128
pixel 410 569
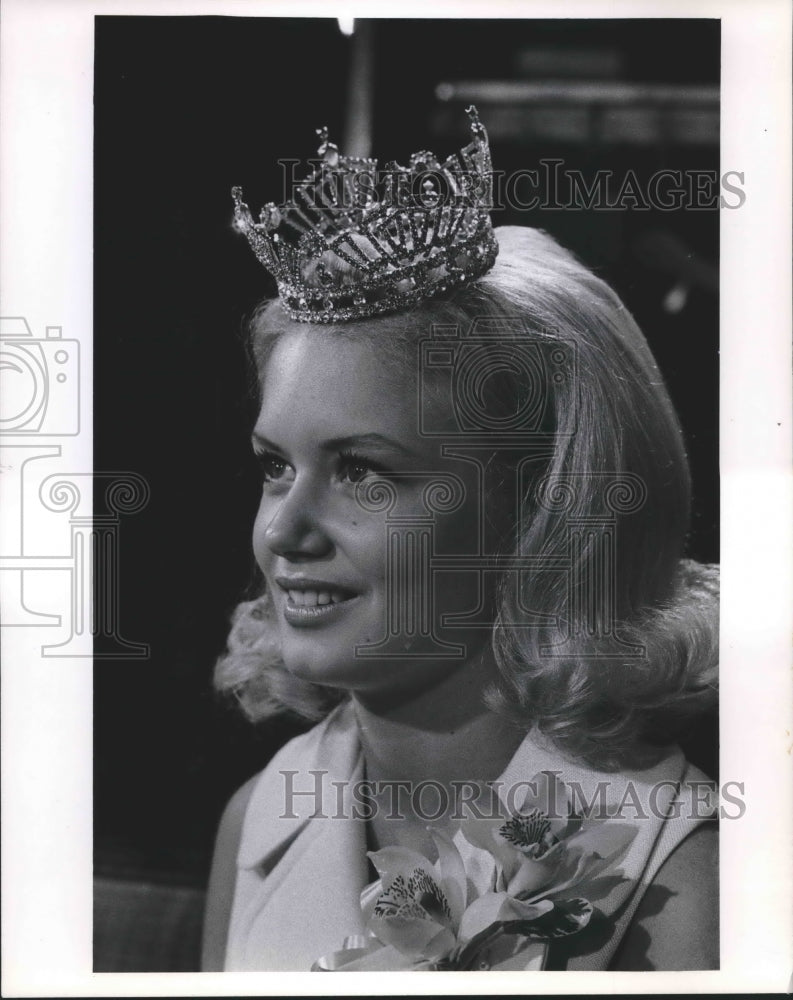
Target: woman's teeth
pixel 313 598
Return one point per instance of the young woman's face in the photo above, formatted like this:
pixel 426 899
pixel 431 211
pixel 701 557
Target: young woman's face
pixel 334 420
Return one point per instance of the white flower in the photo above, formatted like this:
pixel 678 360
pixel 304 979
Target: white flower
pixel 505 877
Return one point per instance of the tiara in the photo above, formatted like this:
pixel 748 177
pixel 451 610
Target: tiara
pixel 406 233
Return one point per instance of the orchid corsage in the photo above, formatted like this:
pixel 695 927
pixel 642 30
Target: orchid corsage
pixel 503 880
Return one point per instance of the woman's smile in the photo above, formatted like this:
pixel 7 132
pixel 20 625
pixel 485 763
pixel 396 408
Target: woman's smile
pixel 310 602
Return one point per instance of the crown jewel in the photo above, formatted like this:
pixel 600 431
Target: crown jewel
pixel 405 234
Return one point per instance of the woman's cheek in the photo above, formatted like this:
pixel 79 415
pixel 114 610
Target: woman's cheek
pixel 363 539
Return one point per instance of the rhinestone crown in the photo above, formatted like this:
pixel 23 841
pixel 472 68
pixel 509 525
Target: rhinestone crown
pixel 407 233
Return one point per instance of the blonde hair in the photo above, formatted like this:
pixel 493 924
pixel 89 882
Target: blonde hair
pixel 614 417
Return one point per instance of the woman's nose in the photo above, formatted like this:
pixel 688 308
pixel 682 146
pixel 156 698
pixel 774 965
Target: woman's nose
pixel 295 530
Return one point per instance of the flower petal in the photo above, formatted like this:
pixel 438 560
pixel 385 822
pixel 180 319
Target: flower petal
pixel 391 861
pixel 604 837
pixel 550 798
pixel 369 896
pixel 594 851
pixel 582 859
pixel 420 939
pixel 495 907
pixel 452 873
pixel 415 894
pixel 574 868
pixel 535 874
pixel 483 813
pixel 562 919
pixel 574 823
pixel 481 914
pixel 517 909
pixel 480 867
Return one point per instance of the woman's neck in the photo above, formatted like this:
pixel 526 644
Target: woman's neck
pixel 443 736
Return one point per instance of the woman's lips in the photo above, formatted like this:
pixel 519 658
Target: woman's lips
pixel 312 598
pixel 310 603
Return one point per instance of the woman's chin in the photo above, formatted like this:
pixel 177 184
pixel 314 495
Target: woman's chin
pixel 323 668
pixel 379 683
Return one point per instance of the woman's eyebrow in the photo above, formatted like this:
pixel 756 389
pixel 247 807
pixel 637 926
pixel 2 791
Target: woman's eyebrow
pixel 367 441
pixel 373 440
pixel 262 441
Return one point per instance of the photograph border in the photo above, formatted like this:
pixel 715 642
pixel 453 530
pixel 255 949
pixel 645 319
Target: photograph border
pixel 47 120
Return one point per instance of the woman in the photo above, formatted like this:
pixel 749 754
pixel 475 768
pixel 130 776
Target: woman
pixel 475 500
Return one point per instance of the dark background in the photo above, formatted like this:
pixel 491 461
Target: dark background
pixel 186 107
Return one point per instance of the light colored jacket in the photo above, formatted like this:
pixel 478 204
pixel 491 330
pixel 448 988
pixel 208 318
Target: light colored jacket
pixel 302 859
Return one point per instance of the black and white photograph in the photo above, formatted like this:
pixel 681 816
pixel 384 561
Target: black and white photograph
pixel 403 530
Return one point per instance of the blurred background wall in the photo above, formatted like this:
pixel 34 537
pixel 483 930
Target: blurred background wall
pixel 186 107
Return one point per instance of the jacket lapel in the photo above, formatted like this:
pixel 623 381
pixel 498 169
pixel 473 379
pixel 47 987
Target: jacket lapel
pixel 302 862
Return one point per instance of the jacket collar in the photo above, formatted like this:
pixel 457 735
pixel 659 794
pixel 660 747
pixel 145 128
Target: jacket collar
pixel 298 785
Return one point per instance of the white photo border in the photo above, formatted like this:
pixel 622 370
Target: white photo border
pixel 46 95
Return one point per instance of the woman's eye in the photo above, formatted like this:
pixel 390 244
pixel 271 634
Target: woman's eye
pixel 274 468
pixel 353 469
